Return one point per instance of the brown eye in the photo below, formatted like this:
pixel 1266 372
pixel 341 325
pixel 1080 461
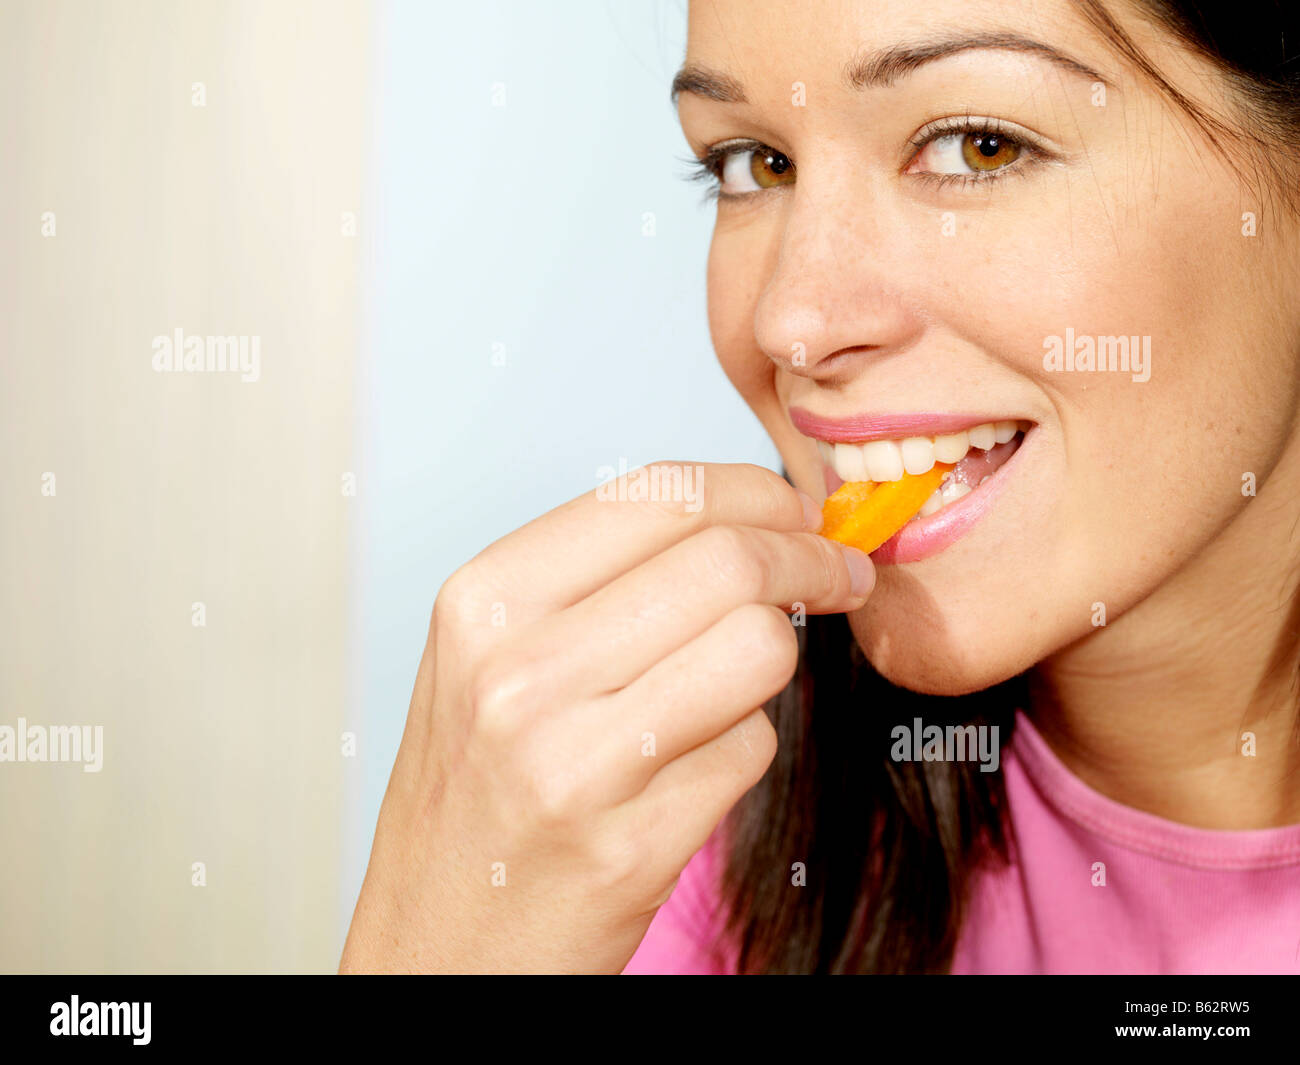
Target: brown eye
pixel 749 167
pixel 970 149
pixel 769 168
pixel 988 151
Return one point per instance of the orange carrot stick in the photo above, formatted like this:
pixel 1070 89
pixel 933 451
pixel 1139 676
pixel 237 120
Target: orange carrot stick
pixel 864 514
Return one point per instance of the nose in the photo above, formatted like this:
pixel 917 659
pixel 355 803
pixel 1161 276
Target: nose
pixel 836 295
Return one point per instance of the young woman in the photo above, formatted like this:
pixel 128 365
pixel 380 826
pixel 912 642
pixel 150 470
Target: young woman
pixel 1061 242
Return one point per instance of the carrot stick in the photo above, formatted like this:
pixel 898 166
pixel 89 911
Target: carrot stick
pixel 864 514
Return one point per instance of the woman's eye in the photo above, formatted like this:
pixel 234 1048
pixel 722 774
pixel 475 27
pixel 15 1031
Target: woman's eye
pixel 741 168
pixel 972 153
pixel 752 168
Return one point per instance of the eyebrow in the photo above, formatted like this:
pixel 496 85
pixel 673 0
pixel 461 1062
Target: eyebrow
pixel 881 68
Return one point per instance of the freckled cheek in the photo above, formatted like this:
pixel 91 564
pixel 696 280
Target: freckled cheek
pixel 1121 445
pixel 736 280
pixel 733 291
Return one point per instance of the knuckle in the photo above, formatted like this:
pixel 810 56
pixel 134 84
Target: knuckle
pixel 666 488
pixel 733 558
pixel 616 859
pixel 494 697
pixel 771 643
pixel 778 494
pixel 668 475
pixel 457 599
pixel 834 575
pixel 552 794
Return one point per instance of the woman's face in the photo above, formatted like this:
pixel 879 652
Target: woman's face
pixel 923 217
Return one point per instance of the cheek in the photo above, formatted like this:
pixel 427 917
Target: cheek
pixel 736 278
pixel 735 281
pixel 1133 477
pixel 1152 469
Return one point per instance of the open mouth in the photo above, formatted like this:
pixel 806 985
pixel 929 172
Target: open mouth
pixel 977 452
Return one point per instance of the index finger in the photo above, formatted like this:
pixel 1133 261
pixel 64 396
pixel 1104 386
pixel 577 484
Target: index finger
pixel 628 626
pixel 568 553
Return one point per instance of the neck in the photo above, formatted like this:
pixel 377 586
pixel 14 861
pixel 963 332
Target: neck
pixel 1186 706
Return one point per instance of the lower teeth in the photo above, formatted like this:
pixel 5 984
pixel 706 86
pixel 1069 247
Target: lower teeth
pixel 948 492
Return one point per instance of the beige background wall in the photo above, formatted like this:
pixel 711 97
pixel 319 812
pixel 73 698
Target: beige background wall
pixel 222 741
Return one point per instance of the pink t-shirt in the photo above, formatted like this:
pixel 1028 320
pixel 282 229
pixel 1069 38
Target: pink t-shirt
pixel 1175 899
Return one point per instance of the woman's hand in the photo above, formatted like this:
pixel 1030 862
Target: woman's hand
pixel 583 717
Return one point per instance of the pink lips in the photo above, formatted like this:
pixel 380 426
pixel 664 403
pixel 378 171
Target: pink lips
pixel 861 428
pixel 926 536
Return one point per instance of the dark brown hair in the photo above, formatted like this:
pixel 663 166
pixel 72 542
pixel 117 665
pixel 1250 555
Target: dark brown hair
pixel 889 848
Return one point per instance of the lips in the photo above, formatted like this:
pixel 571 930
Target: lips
pixel 859 449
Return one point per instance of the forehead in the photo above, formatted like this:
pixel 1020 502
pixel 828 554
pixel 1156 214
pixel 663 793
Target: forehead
pixel 772 43
pixel 740 23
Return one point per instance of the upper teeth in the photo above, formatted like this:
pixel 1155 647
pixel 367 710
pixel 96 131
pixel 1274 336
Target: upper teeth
pixel 888 460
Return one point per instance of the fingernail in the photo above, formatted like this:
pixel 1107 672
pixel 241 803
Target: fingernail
pixel 812 513
pixel 862 573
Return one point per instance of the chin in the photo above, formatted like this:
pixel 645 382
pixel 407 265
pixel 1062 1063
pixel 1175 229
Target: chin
pixel 926 652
